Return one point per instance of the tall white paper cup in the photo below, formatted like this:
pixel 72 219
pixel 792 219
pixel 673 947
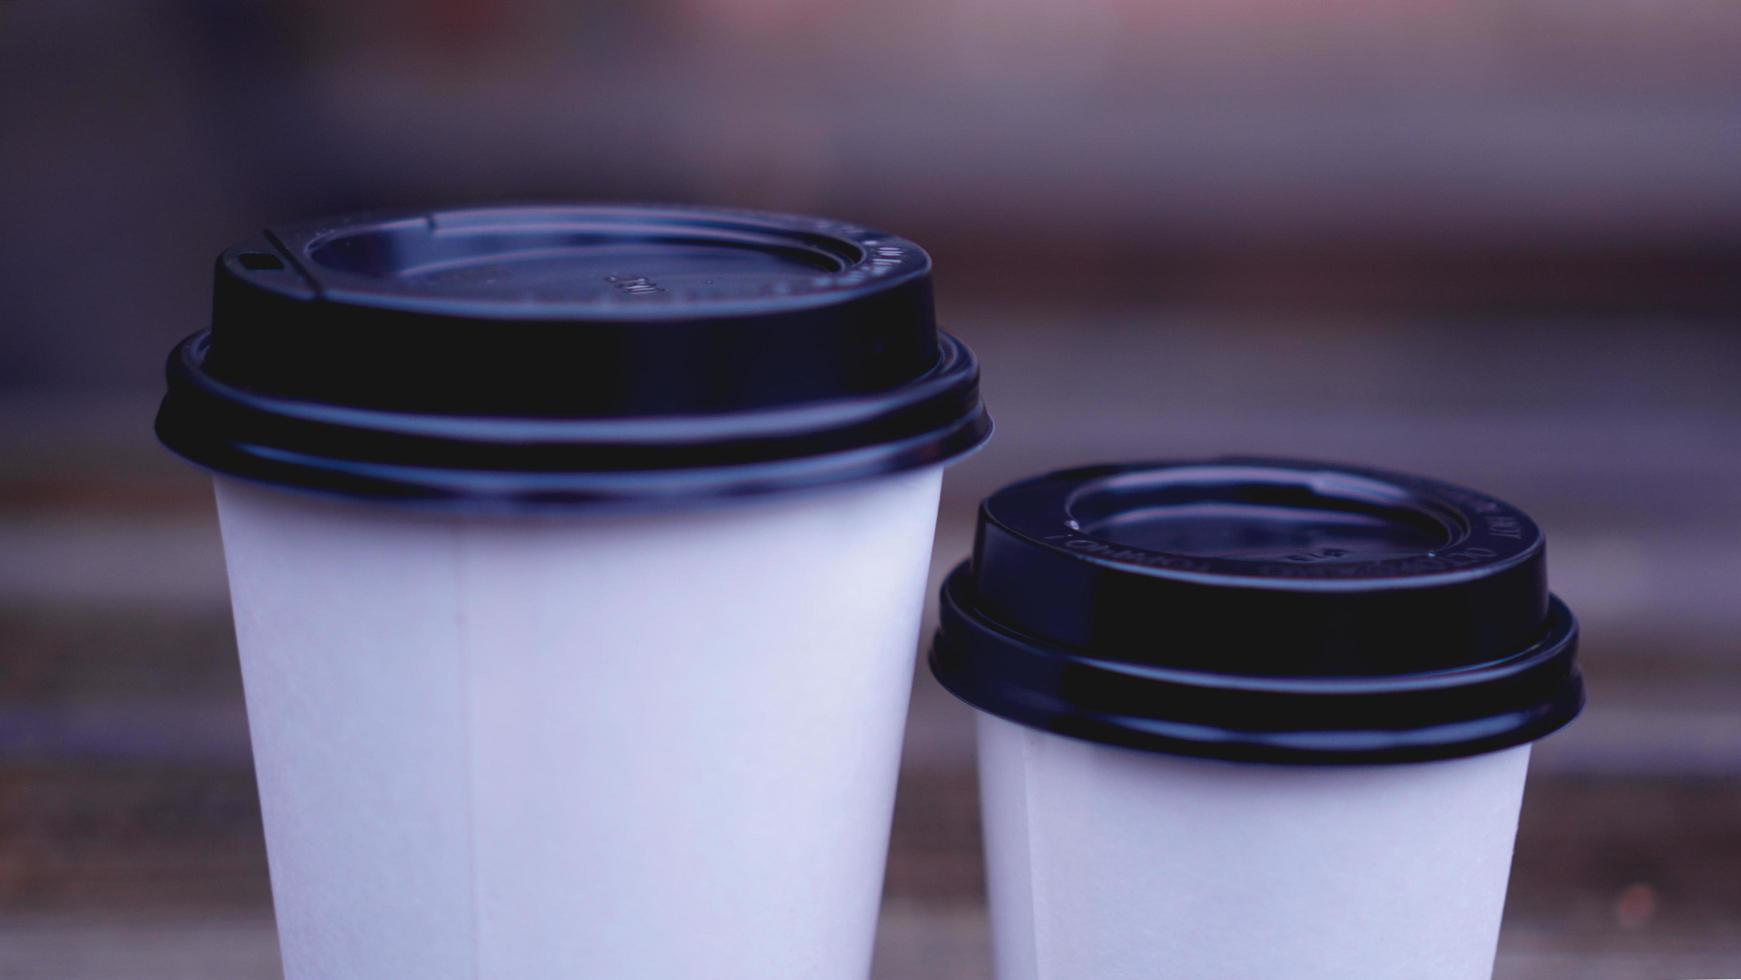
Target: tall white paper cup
pixel 531 747
pixel 577 556
pixel 1119 864
pixel 1252 718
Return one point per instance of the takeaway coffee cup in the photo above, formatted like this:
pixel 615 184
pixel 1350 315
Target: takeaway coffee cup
pixel 1252 718
pixel 577 557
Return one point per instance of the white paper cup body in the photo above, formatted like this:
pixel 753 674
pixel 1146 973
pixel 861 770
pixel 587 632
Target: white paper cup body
pixel 1119 864
pixel 651 746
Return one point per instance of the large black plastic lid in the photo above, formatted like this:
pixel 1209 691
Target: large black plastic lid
pixel 1263 610
pixel 518 356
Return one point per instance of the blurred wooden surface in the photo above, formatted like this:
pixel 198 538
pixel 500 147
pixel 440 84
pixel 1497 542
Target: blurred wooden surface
pixel 129 831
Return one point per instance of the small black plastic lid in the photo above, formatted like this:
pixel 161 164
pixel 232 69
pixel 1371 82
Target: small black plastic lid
pixel 1260 610
pixel 523 356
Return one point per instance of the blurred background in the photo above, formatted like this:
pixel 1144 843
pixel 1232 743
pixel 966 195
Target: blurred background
pixel 1498 243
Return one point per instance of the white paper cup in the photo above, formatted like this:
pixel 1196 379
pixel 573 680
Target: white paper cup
pixel 1109 862
pixel 1252 718
pixel 577 557
pixel 547 747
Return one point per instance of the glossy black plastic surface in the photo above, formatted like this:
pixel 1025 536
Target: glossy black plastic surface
pixel 1263 610
pixel 559 354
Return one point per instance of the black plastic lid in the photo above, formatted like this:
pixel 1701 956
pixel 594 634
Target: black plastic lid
pixel 518 356
pixel 1260 610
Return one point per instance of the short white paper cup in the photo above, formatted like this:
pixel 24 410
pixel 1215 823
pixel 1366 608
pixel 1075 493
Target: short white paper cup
pixel 1114 863
pixel 660 746
pixel 1252 718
